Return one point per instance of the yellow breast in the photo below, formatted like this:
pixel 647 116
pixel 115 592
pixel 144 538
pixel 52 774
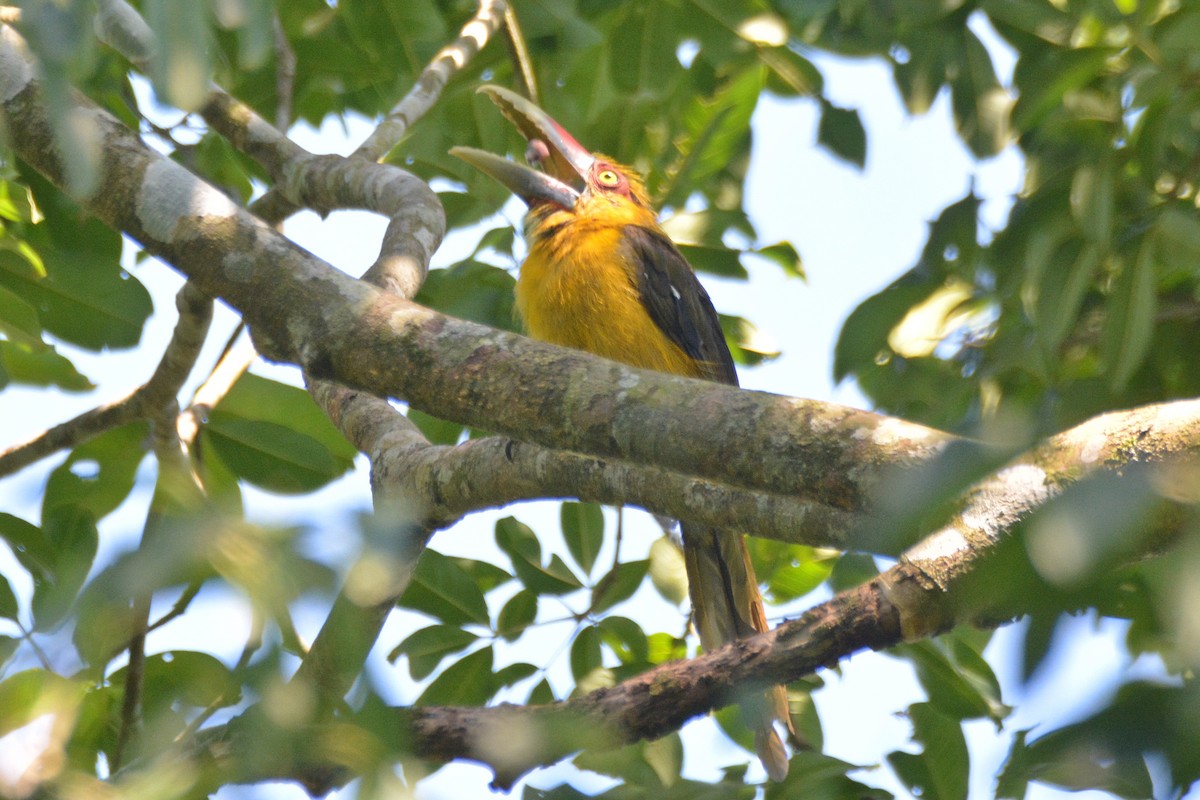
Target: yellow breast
pixel 577 290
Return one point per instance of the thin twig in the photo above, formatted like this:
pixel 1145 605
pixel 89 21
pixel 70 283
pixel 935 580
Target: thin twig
pixel 285 75
pixel 425 92
pixel 520 55
pixel 195 313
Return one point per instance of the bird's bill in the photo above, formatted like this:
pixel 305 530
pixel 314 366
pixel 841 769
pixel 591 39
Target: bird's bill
pixel 566 159
pixel 525 182
pixel 563 163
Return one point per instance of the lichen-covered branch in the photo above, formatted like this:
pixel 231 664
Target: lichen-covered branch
pixel 428 88
pixel 195 313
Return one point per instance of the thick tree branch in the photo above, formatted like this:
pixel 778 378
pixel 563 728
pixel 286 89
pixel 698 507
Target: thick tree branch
pixel 195 313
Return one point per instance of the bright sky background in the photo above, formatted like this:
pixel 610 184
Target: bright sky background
pixel 856 231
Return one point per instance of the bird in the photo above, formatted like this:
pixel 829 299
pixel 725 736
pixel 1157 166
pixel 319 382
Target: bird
pixel 602 276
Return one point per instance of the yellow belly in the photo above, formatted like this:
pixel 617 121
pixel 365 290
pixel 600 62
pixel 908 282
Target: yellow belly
pixel 580 295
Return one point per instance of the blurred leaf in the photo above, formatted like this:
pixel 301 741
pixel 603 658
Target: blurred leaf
pixel 522 547
pixel 618 585
pixel 585 652
pixel 841 132
pixel 275 437
pixel 84 297
pixel 956 693
pixel 99 474
pixel 472 291
pixel 941 770
pixel 1131 308
pixel 785 255
pixel 183 676
pixel 664 647
pixel 583 531
pixel 1043 82
pixel 981 105
pixel 181 69
pixel 717 128
pixel 541 694
pixel 25 696
pixel 19 319
pixel 42 365
pixel 812 774
pixel 513 674
pixel 1107 751
pixel 720 261
pixel 437 431
pixel 1092 200
pixel 625 638
pixel 466 682
pixel 668 572
pixel 800 570
pixel 443 589
pixel 748 345
pixel 73 539
pixel 427 647
pixel 517 615
pixel 8 600
pixel 852 569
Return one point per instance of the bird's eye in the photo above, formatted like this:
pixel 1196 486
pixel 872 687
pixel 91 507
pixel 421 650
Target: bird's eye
pixel 608 178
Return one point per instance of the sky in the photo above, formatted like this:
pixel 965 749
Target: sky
pixel 856 231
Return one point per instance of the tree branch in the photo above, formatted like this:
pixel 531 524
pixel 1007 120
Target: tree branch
pixel 195 314
pixel 428 88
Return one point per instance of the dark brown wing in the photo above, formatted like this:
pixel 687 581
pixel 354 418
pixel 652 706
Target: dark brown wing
pixel 677 302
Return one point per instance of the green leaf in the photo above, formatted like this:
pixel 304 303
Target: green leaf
pixel 71 533
pixel 99 474
pixel 40 365
pixel 29 545
pixel 8 600
pixel 19 319
pixel 275 437
pixel 472 291
pixel 841 132
pixel 517 615
pixel 813 774
pixel 443 589
pixel 785 255
pixel 84 297
pixel 954 694
pixel 806 569
pixel 466 682
pixel 1092 200
pixel 717 131
pixel 437 431
pixel 585 652
pixel 583 531
pixel 541 694
pixel 626 639
pixel 721 261
pixel 189 677
pixel 748 345
pixel 426 648
pixel 513 673
pixel 618 585
pixel 181 68
pixel 27 695
pixel 668 572
pixel 941 770
pixel 664 647
pixel 1131 308
pixel 981 105
pixel 518 541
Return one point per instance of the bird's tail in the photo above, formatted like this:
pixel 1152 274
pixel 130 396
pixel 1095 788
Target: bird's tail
pixel 727 605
